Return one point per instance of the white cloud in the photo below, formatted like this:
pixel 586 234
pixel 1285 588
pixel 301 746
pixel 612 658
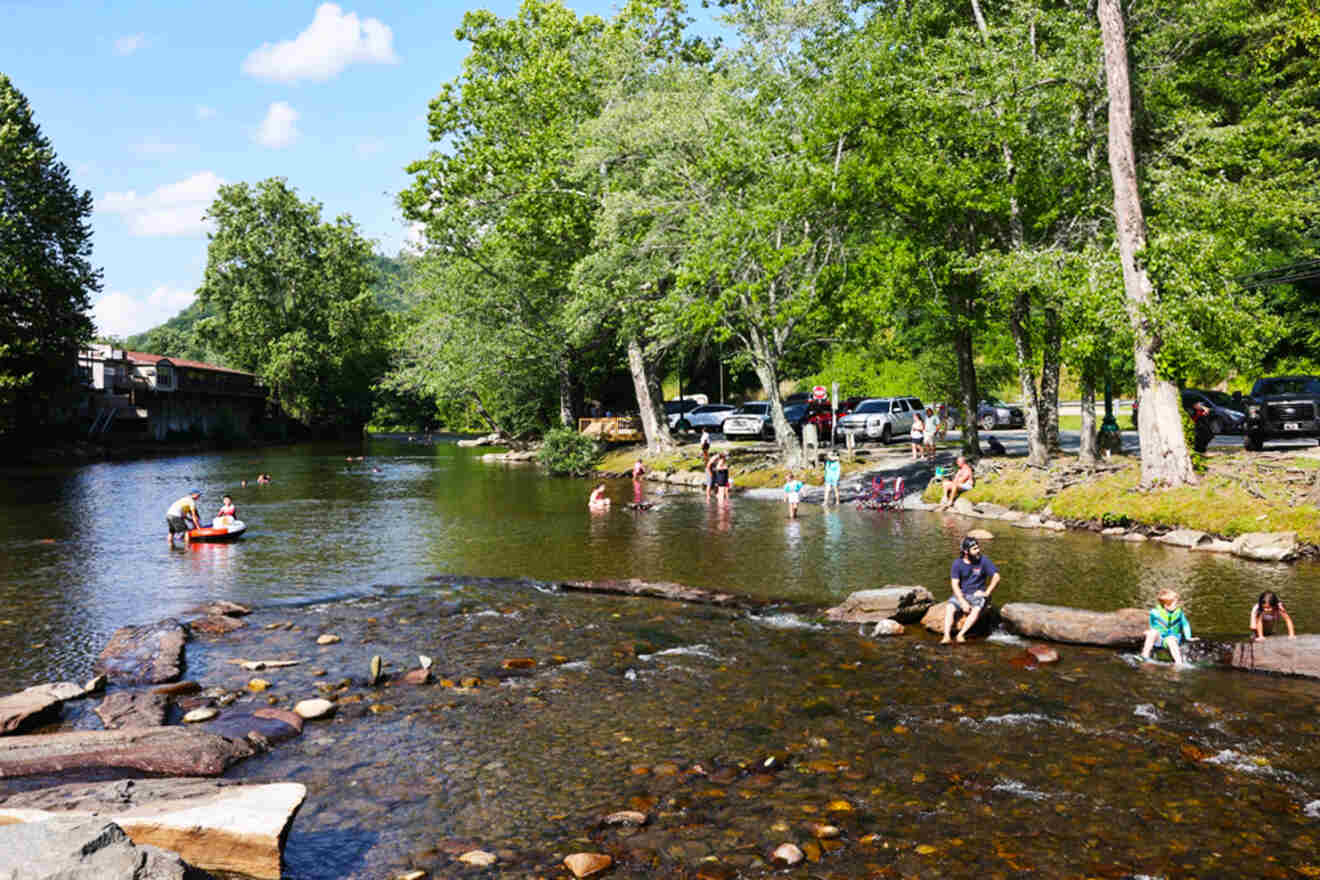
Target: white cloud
pixel 280 127
pixel 332 42
pixel 122 314
pixel 171 211
pixel 130 44
pixel 204 112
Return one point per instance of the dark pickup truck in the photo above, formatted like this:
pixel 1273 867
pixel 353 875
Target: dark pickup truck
pixel 1283 407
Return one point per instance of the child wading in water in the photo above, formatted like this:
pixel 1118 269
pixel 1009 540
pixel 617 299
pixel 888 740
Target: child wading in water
pixel 1168 627
pixel 792 494
pixel 1266 613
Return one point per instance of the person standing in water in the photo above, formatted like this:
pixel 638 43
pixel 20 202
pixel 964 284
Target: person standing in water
pixel 832 471
pixel 793 494
pixel 638 471
pixel 179 515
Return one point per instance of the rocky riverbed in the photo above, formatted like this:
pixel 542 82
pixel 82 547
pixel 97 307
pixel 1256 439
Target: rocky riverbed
pixel 510 725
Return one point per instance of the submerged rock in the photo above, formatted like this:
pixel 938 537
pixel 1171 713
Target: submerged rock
pixel 85 848
pixel 891 602
pixel 147 654
pixel 126 710
pixel 327 639
pixel 587 864
pixel 215 624
pixel 213 824
pixel 478 857
pixel 1043 654
pixel 787 855
pixel 316 708
pixel 1057 623
pixel 266 725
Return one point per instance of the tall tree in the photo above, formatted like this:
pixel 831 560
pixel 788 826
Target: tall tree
pixel 293 302
pixel 46 277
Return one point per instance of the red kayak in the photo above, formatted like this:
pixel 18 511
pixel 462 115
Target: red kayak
pixel 222 528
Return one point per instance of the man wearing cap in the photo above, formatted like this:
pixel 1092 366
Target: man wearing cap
pixel 180 512
pixel 968 576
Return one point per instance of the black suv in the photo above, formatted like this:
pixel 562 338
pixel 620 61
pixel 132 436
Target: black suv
pixel 1283 407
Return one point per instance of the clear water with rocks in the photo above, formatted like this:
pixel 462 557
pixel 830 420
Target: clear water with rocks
pixel 732 731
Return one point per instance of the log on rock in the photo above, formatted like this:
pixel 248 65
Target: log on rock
pixel 125 710
pixel 147 654
pixel 1280 655
pixel 891 602
pixel 167 751
pixel 34 703
pixel 82 848
pixel 1057 623
pixel 216 825
pixel 663 590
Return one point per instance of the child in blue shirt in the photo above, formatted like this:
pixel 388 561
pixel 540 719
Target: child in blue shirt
pixel 832 471
pixel 1168 627
pixel 792 494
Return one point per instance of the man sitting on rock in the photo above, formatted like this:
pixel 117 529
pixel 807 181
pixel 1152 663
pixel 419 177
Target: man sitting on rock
pixel 963 481
pixel 968 577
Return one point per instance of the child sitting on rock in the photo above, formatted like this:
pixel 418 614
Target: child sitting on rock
pixel 1168 627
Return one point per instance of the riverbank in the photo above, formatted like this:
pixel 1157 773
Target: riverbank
pixel 685 740
pixel 1240 493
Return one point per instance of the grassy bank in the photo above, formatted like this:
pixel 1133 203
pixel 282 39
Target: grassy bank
pixel 750 467
pixel 1239 492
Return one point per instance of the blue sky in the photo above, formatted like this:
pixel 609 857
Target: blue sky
pixel 153 105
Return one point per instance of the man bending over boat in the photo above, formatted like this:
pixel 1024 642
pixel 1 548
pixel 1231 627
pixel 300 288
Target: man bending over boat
pixel 180 513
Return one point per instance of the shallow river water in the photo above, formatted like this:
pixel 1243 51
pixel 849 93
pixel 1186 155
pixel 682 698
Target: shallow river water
pixel 733 731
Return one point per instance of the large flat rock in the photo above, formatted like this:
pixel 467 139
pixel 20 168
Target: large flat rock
pixel 985 622
pixel 661 590
pixel 167 751
pixel 30 705
pixel 891 602
pixel 81 848
pixel 1058 623
pixel 1280 654
pixel 213 824
pixel 148 654
pixel 1266 546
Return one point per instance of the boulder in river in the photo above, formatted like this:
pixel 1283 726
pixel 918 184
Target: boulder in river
pixel 934 620
pixel 215 624
pixel 1266 546
pixel 174 751
pixel 215 825
pixel 32 704
pixel 82 848
pixel 124 710
pixel 147 654
pixel 1280 654
pixel 1184 538
pixel 891 602
pixel 1057 623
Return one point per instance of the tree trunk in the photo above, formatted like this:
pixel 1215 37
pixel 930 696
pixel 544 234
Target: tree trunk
pixel 485 414
pixel 1049 380
pixel 962 349
pixel 1019 325
pixel 565 395
pixel 649 403
pixel 1088 450
pixel 1164 457
pixel 790 450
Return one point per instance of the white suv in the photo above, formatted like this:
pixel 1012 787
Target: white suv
pixel 881 418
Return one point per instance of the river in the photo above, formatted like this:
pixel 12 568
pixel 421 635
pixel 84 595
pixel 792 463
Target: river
pixel 957 763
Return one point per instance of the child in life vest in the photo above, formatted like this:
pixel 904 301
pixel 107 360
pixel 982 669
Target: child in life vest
pixel 1168 627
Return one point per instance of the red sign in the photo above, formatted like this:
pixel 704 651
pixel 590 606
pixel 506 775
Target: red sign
pixel 819 392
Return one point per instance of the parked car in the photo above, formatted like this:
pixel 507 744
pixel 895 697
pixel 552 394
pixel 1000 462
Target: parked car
pixel 994 413
pixel 709 416
pixel 751 420
pixel 1227 416
pixel 881 418
pixel 1283 407
pixel 813 412
pixel 676 409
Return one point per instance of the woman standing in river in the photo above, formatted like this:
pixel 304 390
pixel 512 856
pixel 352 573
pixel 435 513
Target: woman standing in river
pixel 722 477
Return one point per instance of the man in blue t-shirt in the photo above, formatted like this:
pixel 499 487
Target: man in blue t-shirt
pixel 973 578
